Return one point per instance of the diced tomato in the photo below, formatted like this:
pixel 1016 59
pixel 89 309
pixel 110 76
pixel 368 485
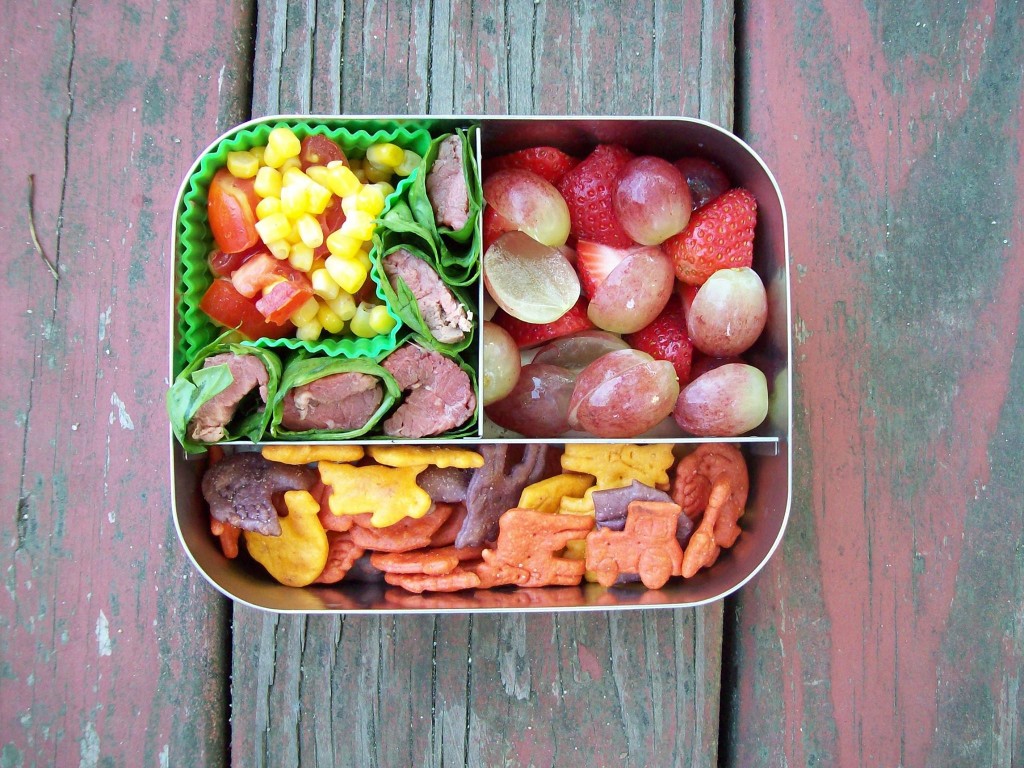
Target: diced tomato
pixel 223 264
pixel 330 221
pixel 317 149
pixel 261 271
pixel 231 209
pixel 284 300
pixel 227 307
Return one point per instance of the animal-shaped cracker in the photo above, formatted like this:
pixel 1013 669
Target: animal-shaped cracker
pixel 414 455
pixel 308 454
pixel 546 495
pixel 298 556
pixel 389 493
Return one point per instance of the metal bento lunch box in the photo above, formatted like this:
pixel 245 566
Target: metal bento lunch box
pixel 336 281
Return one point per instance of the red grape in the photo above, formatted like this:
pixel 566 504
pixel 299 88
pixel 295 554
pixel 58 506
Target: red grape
pixel 705 179
pixel 530 281
pixel 725 402
pixel 652 200
pixel 634 292
pixel 623 394
pixel 578 351
pixel 728 313
pixel 530 204
pixel 501 363
pixel 538 404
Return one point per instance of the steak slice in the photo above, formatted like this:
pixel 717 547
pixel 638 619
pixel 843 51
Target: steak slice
pixel 340 401
pixel 446 185
pixel 249 373
pixel 438 393
pixel 444 314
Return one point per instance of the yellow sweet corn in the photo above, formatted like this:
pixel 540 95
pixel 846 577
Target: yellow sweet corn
pixel 343 305
pixel 268 206
pixel 359 225
pixel 347 273
pixel 341 179
pixel 309 331
pixel 385 156
pixel 360 324
pixel 301 257
pixel 329 319
pixel 242 165
pixel 306 312
pixel 268 182
pixel 257 152
pixel 279 249
pixel 410 162
pixel 283 142
pixel 381 320
pixel 274 227
pixel 310 231
pixel 370 200
pixel 373 173
pixel 323 284
pixel 343 245
pixel 319 197
pixel 294 200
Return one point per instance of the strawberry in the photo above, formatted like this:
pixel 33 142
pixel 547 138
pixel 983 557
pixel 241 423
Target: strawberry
pixel 665 338
pixel 719 235
pixel 594 262
pixel 587 190
pixel 495 225
pixel 530 334
pixel 547 162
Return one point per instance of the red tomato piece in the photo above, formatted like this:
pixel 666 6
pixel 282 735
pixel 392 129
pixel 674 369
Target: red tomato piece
pixel 284 300
pixel 261 271
pixel 330 221
pixel 317 149
pixel 223 264
pixel 231 208
pixel 227 307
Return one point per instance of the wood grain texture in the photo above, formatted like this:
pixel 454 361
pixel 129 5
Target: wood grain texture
pixel 889 630
pixel 106 633
pixel 596 689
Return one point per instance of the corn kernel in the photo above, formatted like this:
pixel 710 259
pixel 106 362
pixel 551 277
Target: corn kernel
pixel 283 141
pixel 319 197
pixel 242 165
pixel 323 284
pixel 363 257
pixel 359 173
pixel 381 320
pixel 268 206
pixel 309 331
pixel 274 227
pixel 410 162
pixel 306 312
pixel 347 273
pixel 341 179
pixel 359 225
pixel 291 162
pixel 293 236
pixel 294 200
pixel 370 200
pixel 385 188
pixel 272 159
pixel 360 324
pixel 301 257
pixel 310 231
pixel 279 249
pixel 294 176
pixel 373 173
pixel 318 173
pixel 350 204
pixel 257 152
pixel 329 319
pixel 268 182
pixel 343 305
pixel 385 155
pixel 342 245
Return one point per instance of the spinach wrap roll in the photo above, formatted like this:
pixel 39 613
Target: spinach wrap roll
pixel 327 398
pixel 222 395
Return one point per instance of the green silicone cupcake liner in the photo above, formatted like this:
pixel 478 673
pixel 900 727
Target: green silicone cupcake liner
pixel 196 330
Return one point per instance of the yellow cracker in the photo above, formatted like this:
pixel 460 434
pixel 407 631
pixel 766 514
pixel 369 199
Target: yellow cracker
pixel 389 493
pixel 307 454
pixel 413 455
pixel 615 466
pixel 546 495
pixel 299 554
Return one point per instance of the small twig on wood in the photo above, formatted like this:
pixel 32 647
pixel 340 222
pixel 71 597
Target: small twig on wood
pixel 32 227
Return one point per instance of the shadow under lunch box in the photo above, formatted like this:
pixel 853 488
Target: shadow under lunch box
pixel 767 449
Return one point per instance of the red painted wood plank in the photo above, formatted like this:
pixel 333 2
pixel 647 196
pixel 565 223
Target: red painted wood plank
pixel 888 632
pixel 597 689
pixel 112 649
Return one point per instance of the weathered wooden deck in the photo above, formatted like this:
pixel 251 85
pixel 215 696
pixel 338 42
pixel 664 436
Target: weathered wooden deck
pixel 887 631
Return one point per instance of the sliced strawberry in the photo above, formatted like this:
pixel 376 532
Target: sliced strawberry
pixel 587 190
pixel 719 236
pixel 594 262
pixel 665 338
pixel 530 335
pixel 547 162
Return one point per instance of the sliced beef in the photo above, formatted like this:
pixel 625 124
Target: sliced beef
pixel 240 490
pixel 446 185
pixel 438 393
pixel 208 425
pixel 340 401
pixel 444 314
